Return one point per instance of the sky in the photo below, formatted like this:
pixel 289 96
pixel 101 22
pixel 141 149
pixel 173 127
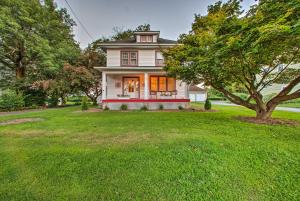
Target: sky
pixel 170 17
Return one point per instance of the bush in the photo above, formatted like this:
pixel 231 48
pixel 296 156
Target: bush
pixel 106 108
pixel 124 107
pixel 84 103
pixel 10 101
pixel 34 97
pixel 53 101
pixel 144 108
pixel 207 105
pixel 161 107
pixel 180 107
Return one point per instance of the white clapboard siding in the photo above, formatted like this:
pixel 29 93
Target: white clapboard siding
pixel 113 58
pixel 155 38
pixel 146 58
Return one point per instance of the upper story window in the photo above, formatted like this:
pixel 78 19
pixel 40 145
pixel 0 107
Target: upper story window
pixel 159 59
pixel 146 38
pixel 129 58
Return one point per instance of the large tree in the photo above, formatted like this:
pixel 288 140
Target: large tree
pixel 35 38
pixel 227 47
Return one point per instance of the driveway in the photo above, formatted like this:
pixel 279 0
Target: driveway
pixel 289 109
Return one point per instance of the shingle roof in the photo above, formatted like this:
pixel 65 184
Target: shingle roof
pixel 196 88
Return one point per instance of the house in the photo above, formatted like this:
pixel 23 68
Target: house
pixel 197 93
pixel 134 74
pixel 277 87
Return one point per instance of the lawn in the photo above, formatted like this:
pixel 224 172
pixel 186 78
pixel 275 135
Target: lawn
pixel 294 103
pixel 149 156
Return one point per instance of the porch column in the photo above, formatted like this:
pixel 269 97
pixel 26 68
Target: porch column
pixel 103 85
pixel 146 87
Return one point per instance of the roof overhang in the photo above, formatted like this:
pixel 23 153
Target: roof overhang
pixel 106 46
pixel 146 32
pixel 130 69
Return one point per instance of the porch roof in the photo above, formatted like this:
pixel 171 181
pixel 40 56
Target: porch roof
pixel 129 69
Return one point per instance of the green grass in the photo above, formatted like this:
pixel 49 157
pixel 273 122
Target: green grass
pixel 148 156
pixel 293 103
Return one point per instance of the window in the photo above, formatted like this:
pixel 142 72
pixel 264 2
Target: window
pixel 129 58
pixel 146 39
pixel 162 83
pixel 159 59
pixel 153 84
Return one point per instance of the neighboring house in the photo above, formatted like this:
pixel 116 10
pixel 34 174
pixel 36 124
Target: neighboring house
pixel 134 74
pixel 276 88
pixel 197 93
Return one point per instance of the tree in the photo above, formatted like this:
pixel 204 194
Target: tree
pixel 83 79
pixel 35 39
pixel 121 34
pixel 225 49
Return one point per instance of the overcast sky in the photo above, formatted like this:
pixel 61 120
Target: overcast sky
pixel 170 17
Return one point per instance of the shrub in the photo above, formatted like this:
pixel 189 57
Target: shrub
pixel 84 103
pixel 144 108
pixel 34 97
pixel 207 105
pixel 124 107
pixel 161 107
pixel 106 108
pixel 10 101
pixel 180 107
pixel 53 101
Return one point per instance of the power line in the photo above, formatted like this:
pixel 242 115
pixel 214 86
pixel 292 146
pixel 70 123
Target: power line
pixel 79 20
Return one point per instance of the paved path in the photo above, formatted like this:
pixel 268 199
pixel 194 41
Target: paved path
pixel 290 109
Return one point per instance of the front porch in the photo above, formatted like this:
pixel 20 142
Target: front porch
pixel 137 89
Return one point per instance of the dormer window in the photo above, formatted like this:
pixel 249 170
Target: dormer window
pixel 146 38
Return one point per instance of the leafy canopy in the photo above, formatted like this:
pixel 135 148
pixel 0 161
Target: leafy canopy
pixel 226 48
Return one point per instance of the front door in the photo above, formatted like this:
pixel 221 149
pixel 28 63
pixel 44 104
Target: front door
pixel 131 87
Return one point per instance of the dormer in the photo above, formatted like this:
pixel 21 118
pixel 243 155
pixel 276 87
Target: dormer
pixel 146 36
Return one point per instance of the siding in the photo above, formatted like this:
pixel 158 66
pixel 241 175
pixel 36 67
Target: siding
pixel 155 38
pixel 113 58
pixel 146 58
pixel 112 90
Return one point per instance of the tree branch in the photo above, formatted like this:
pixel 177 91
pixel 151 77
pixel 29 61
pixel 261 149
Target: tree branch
pixel 283 69
pixel 235 99
pixel 283 94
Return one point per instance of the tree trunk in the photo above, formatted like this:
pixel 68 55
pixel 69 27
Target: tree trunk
pixel 265 112
pixel 20 73
pixel 94 101
pixel 63 100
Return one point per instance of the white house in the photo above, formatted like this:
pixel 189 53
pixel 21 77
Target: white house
pixel 134 74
